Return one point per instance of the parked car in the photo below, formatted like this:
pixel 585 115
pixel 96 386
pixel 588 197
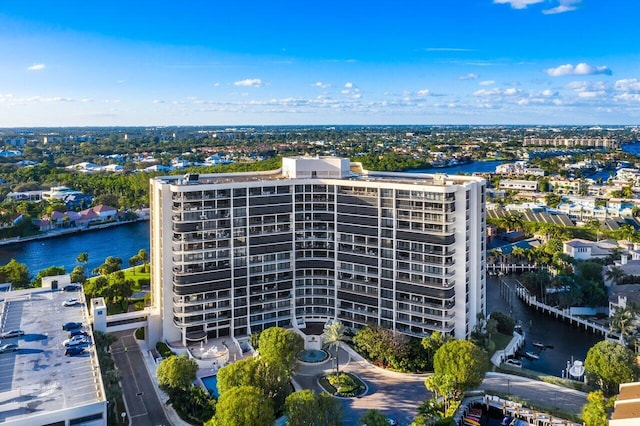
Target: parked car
pixel 71 302
pixel 78 332
pixel 10 347
pixel 12 333
pixel 74 341
pixel 73 350
pixel 67 326
pixel 72 287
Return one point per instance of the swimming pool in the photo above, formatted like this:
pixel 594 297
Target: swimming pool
pixel 211 383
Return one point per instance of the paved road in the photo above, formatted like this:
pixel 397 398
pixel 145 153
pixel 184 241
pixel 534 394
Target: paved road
pixel 544 394
pixel 396 395
pixel 142 402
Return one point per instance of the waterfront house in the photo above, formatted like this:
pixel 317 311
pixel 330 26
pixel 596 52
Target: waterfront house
pixel 580 249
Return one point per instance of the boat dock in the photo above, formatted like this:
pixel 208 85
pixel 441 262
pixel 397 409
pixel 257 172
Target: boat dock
pixel 513 409
pixel 565 314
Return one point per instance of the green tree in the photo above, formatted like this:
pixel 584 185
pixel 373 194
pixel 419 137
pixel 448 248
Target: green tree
pixel 614 274
pixel 622 321
pixel 15 273
pixel 83 258
pixel 176 373
pixel 505 324
pixel 595 411
pixel 280 346
pixel 333 334
pixel 463 361
pixel 552 200
pixel 143 256
pixel 110 265
pixel 609 364
pixel 243 406
pixel 305 408
pixel 271 379
pixel 51 271
pixel 77 275
pixel 373 418
pixel 590 271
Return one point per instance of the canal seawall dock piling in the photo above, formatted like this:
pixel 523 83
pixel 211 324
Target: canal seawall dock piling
pixel 512 286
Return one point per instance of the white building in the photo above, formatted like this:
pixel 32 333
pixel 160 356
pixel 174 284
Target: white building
pixel 519 185
pixel 318 239
pixel 40 385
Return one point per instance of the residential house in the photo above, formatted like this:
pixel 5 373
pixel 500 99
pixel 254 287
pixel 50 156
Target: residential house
pixel 586 250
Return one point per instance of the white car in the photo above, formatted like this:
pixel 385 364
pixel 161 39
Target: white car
pixel 74 341
pixel 71 302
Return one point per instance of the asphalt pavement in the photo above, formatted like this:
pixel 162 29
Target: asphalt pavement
pixel 143 405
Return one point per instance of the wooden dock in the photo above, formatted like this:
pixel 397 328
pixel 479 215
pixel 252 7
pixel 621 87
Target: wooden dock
pixel 564 314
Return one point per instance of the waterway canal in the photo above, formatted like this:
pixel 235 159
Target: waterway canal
pixel 123 241
pixel 568 341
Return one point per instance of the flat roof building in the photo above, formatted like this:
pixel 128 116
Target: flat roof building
pixel 39 385
pixel 321 238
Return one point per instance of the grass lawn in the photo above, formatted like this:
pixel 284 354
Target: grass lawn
pixel 501 341
pixel 135 274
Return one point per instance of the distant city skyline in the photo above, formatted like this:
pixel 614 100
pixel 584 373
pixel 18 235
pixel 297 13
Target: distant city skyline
pixel 142 63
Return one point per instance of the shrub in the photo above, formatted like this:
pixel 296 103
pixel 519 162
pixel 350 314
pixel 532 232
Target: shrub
pixel 345 384
pixel 144 282
pixel 140 333
pixel 164 350
pixel 506 324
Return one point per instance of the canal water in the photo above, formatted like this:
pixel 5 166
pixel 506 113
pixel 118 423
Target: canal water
pixel 461 169
pixel 569 342
pixel 123 241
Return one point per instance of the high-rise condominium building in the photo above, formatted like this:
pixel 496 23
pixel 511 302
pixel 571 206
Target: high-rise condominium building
pixel 318 239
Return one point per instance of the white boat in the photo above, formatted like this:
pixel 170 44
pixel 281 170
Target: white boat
pixel 532 355
pixel 514 362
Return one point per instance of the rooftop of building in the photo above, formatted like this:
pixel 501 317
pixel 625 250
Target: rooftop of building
pixel 39 377
pixel 628 402
pixel 322 168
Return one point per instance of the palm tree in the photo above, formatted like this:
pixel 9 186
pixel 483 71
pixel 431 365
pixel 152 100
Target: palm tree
pixel 333 334
pixel 627 232
pixel 614 274
pixel 622 321
pixel 517 252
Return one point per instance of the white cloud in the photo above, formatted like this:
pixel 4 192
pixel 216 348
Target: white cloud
pixel 158 101
pixel 487 92
pixel 249 82
pixel 321 85
pixel 86 100
pixel 348 85
pixel 511 91
pixel 487 83
pixel 518 4
pixel 36 67
pixel 564 6
pixel 587 94
pixel 216 84
pixel 548 93
pixel 627 85
pixel 424 92
pixel 580 69
pixel 470 76
pixel 345 91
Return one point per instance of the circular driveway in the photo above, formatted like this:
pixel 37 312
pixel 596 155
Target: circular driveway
pixel 394 394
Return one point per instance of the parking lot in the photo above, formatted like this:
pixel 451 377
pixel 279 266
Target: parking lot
pixel 39 373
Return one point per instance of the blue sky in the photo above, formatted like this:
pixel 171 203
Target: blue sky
pixel 196 62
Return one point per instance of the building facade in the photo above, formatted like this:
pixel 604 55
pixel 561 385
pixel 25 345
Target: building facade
pixel 318 239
